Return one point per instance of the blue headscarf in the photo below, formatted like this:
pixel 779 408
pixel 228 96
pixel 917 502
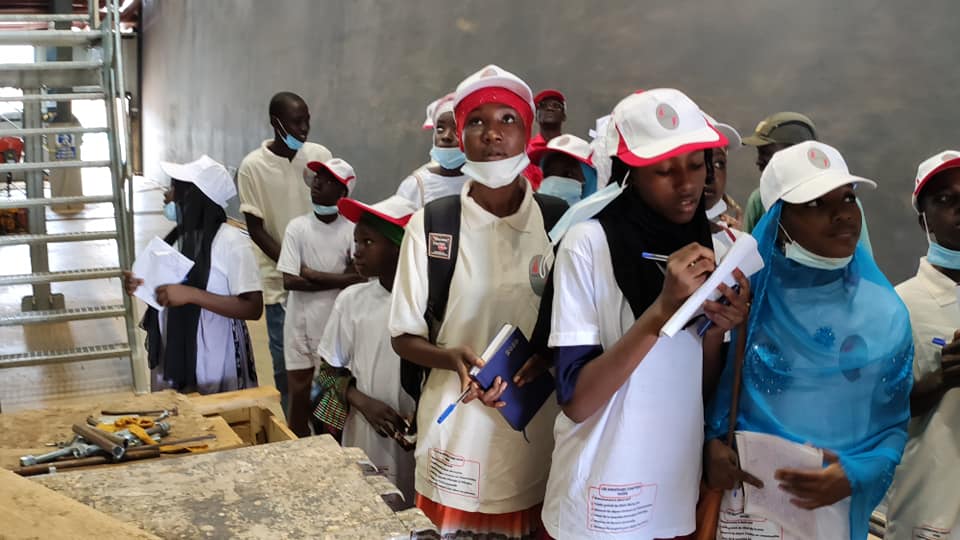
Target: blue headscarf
pixel 829 362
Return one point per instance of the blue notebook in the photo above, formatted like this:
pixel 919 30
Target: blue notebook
pixel 504 357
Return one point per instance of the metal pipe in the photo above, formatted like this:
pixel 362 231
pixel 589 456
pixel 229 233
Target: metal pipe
pixel 114 446
pixel 133 454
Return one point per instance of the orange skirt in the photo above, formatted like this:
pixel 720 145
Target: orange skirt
pixel 453 523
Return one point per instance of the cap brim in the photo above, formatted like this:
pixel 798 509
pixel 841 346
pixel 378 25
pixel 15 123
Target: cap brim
pixel 176 171
pixel 701 139
pixel 757 140
pixel 543 153
pixel 946 165
pixel 315 166
pixel 354 210
pixel 823 184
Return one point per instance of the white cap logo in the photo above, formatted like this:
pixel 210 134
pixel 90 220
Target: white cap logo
pixel 489 72
pixel 667 116
pixel 818 159
pixel 563 140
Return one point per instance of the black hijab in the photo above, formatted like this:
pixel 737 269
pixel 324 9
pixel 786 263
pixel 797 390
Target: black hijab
pixel 632 228
pixel 198 221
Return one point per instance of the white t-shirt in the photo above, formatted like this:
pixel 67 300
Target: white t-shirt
pixel 271 187
pixel 233 271
pixel 833 522
pixel 475 461
pixel 356 337
pixel 434 186
pixel 632 469
pixel 723 241
pixel 924 498
pixel 322 247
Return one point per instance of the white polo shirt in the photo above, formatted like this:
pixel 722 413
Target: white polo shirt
pixel 324 247
pixel 924 500
pixel 423 186
pixel 356 337
pixel 632 469
pixel 271 187
pixel 475 461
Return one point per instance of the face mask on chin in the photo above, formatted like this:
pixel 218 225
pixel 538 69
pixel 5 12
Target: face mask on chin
pixel 938 255
pixel 496 174
pixel 799 254
pixel 289 140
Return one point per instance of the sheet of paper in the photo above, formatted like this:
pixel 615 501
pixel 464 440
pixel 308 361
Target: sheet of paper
pixel 159 264
pixel 743 255
pixel 762 455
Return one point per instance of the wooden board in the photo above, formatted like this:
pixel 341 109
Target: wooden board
pixel 27 432
pixel 265 397
pixel 305 488
pixel 29 510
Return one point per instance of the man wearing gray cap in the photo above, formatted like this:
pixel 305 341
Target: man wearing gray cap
pixel 774 133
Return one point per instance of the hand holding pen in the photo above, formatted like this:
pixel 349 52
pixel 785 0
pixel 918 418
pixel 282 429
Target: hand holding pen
pixel 949 359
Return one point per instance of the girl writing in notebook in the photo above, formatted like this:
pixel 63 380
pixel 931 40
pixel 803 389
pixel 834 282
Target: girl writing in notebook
pixel 829 353
pixel 628 442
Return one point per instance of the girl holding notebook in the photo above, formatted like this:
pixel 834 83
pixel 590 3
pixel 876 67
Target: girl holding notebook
pixel 829 355
pixel 628 442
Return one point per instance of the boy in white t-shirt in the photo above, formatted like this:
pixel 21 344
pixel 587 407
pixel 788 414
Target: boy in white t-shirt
pixel 315 262
pixel 442 177
pixel 357 338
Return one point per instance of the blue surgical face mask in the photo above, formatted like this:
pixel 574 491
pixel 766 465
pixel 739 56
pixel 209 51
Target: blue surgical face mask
pixel 564 188
pixel 448 158
pixel 323 210
pixel 292 142
pixel 170 211
pixel 799 254
pixel 938 255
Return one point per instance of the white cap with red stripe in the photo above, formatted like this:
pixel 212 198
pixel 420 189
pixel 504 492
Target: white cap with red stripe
pixel 948 159
pixel 572 146
pixel 340 169
pixel 652 125
pixel 804 172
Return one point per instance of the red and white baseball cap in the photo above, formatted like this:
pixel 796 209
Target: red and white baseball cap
pixel 340 169
pixel 549 93
pixel 803 172
pixel 207 174
pixel 396 210
pixel 433 110
pixel 493 84
pixel 572 146
pixel 652 125
pixel 948 159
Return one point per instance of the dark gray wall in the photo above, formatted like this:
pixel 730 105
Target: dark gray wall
pixel 878 77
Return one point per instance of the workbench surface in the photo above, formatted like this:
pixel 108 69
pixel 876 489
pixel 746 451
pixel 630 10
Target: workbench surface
pixel 306 488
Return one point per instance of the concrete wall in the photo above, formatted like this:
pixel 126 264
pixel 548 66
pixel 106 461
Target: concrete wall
pixel 878 77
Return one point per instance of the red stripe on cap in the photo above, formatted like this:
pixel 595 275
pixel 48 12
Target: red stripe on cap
pixel 634 160
pixel 949 164
pixel 493 95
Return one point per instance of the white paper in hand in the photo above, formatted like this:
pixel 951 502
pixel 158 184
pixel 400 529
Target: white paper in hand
pixel 159 264
pixel 762 455
pixel 743 255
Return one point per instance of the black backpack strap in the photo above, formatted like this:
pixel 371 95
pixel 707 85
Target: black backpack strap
pixel 441 227
pixel 552 208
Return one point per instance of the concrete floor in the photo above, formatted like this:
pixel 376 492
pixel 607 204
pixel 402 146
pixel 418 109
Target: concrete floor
pixel 35 386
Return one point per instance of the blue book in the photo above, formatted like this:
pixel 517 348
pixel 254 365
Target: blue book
pixel 503 358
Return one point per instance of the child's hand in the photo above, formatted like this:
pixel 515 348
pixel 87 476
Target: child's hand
pixel 723 467
pixel 950 363
pixel 727 316
pixel 384 420
pixel 818 487
pixel 532 368
pixel 687 269
pixel 175 295
pixel 130 282
pixel 461 359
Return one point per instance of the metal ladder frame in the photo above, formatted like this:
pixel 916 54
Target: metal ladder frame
pixel 112 91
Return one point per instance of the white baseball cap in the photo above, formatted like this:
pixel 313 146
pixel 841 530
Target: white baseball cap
pixel 340 169
pixel 434 110
pixel 572 146
pixel 493 76
pixel 396 209
pixel 207 174
pixel 803 172
pixel 653 125
pixel 948 159
pixel 734 141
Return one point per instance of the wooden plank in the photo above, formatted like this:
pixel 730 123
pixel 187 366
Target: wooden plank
pixel 262 396
pixel 278 431
pixel 305 488
pixel 29 510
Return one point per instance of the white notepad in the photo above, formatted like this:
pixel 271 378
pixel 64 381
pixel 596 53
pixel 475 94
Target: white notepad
pixel 159 264
pixel 743 255
pixel 762 455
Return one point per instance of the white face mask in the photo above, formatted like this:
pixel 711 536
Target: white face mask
pixel 717 210
pixel 496 174
pixel 797 253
